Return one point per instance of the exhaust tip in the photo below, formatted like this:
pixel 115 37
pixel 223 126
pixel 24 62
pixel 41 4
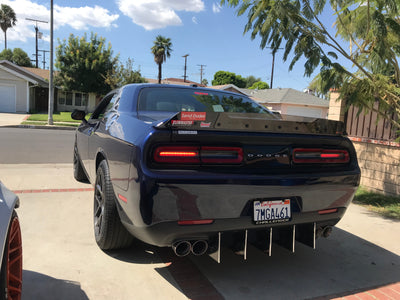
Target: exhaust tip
pixel 327 231
pixel 199 247
pixel 181 248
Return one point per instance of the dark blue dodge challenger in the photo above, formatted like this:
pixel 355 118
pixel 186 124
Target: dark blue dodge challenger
pixel 188 166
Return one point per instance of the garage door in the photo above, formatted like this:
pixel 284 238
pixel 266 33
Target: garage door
pixel 7 98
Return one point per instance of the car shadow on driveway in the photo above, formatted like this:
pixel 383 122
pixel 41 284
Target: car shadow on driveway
pixel 341 265
pixel 39 286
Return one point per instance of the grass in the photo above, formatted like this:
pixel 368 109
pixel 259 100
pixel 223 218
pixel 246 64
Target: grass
pixel 57 117
pixel 387 206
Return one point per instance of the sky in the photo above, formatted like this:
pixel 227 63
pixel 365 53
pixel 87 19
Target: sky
pixel 211 34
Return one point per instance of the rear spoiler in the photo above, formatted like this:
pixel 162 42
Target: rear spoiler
pixel 253 122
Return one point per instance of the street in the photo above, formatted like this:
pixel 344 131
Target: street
pixel 62 260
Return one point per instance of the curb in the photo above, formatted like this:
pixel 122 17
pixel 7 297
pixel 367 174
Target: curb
pixel 54 127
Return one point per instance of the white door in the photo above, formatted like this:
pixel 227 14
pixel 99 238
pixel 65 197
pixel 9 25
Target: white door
pixel 7 98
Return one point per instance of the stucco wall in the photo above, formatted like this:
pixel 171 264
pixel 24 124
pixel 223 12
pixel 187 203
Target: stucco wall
pixel 380 167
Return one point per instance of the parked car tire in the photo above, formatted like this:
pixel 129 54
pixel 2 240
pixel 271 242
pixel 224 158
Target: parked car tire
pixel 108 229
pixel 79 173
pixel 11 267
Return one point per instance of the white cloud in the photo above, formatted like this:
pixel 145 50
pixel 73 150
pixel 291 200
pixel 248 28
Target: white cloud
pixel 155 14
pixel 77 18
pixel 194 20
pixel 216 8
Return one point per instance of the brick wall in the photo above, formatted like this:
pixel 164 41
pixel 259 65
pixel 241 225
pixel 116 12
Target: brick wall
pixel 380 167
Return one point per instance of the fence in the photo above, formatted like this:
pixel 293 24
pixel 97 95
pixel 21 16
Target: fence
pixel 374 139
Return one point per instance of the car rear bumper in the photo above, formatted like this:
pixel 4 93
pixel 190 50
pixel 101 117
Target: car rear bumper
pixel 153 215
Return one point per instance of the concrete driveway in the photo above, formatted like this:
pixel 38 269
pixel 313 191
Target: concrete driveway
pixel 7 119
pixel 62 261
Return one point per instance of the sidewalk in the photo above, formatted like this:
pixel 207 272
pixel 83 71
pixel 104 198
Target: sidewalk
pixel 8 119
pixel 15 120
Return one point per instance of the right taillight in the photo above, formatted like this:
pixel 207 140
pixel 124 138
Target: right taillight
pixel 326 156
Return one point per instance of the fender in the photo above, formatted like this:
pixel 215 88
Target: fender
pixel 8 202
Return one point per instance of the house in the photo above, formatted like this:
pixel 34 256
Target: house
pixel 177 81
pixel 19 88
pixel 26 90
pixel 286 101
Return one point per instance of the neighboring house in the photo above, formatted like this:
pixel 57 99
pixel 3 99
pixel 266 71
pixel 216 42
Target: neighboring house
pixel 25 90
pixel 20 89
pixel 174 81
pixel 285 101
pixel 291 102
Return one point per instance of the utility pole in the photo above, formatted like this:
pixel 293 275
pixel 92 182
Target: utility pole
pixel 51 86
pixel 44 58
pixel 37 36
pixel 201 73
pixel 184 75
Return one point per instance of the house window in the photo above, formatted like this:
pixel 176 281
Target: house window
pixel 85 98
pixel 68 98
pixel 61 97
pixel 78 99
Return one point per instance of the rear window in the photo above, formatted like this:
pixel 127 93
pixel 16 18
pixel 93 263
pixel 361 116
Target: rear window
pixel 176 100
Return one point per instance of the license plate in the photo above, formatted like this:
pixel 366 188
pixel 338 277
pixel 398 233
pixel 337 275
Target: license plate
pixel 271 211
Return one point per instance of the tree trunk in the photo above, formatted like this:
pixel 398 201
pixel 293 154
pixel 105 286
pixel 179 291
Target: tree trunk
pixel 5 39
pixel 159 73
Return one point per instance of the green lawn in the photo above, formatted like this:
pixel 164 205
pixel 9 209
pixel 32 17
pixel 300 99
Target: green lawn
pixel 57 117
pixel 386 206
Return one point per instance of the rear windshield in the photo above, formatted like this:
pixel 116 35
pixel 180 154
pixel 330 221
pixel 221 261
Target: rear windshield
pixel 175 100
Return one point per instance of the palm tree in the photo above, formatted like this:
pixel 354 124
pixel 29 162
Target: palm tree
pixel 7 20
pixel 161 50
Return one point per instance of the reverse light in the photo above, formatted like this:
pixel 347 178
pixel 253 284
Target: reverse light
pixel 320 156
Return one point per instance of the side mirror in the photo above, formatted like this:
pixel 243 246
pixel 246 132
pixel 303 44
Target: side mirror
pixel 78 115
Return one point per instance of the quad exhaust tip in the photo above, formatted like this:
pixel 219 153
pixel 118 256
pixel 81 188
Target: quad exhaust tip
pixel 183 248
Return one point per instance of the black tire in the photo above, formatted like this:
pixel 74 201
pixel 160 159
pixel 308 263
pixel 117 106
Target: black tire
pixel 79 173
pixel 108 229
pixel 11 287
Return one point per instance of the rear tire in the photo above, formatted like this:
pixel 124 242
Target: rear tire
pixel 79 173
pixel 11 266
pixel 108 229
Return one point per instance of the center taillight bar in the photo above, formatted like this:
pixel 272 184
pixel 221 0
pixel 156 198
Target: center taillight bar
pixel 200 154
pixel 303 155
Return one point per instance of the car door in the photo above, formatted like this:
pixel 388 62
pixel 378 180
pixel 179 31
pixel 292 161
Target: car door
pixel 98 133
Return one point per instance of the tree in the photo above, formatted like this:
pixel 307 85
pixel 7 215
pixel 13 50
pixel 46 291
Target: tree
pixel 21 58
pixel 250 80
pixel 371 30
pixel 205 82
pixel 16 56
pixel 6 54
pixel 161 51
pixel 8 19
pixel 224 77
pixel 121 75
pixel 259 85
pixel 85 64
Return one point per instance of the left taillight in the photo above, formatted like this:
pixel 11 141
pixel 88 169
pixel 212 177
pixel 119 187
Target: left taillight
pixel 177 154
pixel 330 156
pixel 197 155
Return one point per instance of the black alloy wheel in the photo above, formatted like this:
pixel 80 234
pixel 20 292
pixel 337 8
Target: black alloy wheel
pixel 108 229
